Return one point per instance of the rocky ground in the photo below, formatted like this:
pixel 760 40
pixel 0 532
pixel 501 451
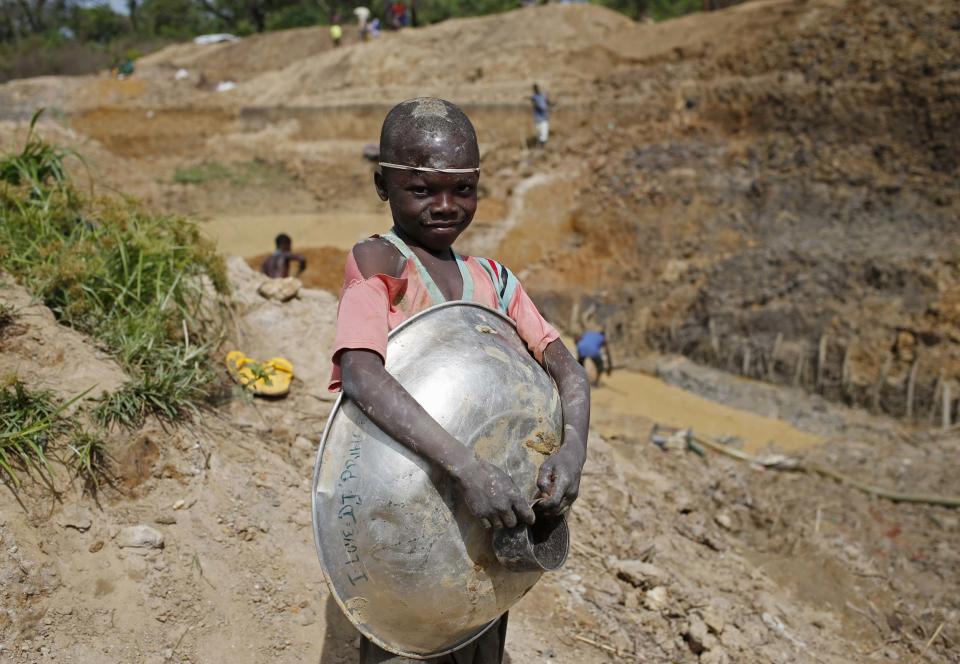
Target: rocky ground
pixel 203 552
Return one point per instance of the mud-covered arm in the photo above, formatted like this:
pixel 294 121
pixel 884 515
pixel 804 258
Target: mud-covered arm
pixel 487 490
pixel 559 479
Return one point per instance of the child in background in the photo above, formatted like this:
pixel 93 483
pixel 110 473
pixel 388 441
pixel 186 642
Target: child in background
pixel 277 264
pixel 429 170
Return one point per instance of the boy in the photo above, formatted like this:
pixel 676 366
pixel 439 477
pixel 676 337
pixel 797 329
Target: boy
pixel 429 169
pixel 277 264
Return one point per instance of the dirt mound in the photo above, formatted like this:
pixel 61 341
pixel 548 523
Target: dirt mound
pixel 489 59
pixel 324 267
pixel 46 355
pixel 243 59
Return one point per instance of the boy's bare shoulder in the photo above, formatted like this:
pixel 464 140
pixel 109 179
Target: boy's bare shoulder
pixel 377 256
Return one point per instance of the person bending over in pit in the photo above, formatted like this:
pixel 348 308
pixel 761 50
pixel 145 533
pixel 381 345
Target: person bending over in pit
pixel 591 345
pixel 277 264
pixel 428 172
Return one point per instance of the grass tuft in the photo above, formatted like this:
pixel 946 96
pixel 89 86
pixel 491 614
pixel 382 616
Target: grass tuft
pixel 33 430
pixel 89 458
pixel 29 422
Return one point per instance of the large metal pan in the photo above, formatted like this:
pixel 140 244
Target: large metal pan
pixel 407 562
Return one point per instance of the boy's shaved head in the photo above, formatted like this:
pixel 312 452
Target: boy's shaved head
pixel 430 132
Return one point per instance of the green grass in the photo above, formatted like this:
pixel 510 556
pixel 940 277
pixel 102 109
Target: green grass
pixel 137 282
pixel 201 173
pixel 29 422
pixel 243 174
pixel 34 431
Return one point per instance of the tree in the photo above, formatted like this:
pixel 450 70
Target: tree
pixel 236 13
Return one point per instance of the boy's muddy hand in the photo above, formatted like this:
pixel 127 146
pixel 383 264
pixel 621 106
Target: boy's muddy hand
pixel 559 479
pixel 492 496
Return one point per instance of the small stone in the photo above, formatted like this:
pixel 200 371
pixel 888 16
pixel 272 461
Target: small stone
pixel 179 505
pixel 733 638
pixel 655 599
pixel 716 655
pixel 639 574
pixel 698 637
pixel 140 537
pixel 632 599
pixel 165 519
pixel 78 518
pixel 280 290
pixel 306 617
pixel 96 546
pixel 714 619
pixel 723 520
pixel 302 446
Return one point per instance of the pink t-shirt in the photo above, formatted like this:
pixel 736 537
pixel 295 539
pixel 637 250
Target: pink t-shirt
pixel 370 308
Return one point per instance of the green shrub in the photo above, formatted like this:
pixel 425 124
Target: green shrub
pixel 135 281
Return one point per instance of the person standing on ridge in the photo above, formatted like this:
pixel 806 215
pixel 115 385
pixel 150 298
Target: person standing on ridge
pixel 541 114
pixel 336 30
pixel 591 345
pixel 277 264
pixel 363 15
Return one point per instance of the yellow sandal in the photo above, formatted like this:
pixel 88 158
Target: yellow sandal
pixel 271 378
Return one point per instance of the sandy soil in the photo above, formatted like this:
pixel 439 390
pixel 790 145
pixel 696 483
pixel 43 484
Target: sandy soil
pixel 675 557
pixel 247 235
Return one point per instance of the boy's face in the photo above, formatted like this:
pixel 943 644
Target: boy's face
pixel 432 209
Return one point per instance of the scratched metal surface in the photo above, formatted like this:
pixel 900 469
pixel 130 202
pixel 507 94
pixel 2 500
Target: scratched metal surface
pixel 409 565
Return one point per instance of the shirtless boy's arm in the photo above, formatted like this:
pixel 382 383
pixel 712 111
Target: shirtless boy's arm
pixel 300 258
pixel 487 491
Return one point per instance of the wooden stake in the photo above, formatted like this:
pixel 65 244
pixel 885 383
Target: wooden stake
pixel 575 317
pixel 878 387
pixel 912 387
pixel 745 368
pixel 772 368
pixel 714 339
pixel 821 361
pixel 935 398
pixel 945 412
pixel 801 360
pixel 845 369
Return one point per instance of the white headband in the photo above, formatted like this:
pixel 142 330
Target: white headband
pixel 427 169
